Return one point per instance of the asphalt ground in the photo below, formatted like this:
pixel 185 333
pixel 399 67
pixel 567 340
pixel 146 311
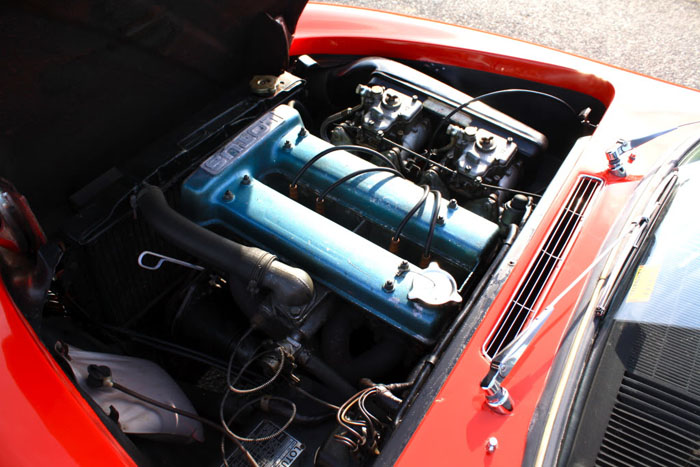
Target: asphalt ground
pixel 657 38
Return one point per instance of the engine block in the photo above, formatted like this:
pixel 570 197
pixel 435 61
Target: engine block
pixel 229 191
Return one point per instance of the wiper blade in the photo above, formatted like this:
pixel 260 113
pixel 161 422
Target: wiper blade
pixel 497 396
pixel 627 256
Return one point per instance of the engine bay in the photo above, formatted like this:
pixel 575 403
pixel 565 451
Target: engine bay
pixel 291 275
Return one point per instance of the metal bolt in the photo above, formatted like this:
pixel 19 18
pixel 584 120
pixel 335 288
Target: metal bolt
pixel 486 140
pixel 414 98
pixel 452 204
pixel 287 145
pixel 246 180
pixel 302 132
pixel 440 220
pixel 491 444
pixel 470 133
pixel 392 99
pixel 509 139
pixel 228 195
pixel 388 286
pixel 377 90
pixel 403 268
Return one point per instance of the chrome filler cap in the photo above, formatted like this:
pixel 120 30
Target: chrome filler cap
pixel 433 286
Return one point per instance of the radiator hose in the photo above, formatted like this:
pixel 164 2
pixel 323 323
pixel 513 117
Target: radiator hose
pixel 290 286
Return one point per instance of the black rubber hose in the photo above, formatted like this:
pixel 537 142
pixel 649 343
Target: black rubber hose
pixel 464 105
pixel 348 148
pixel 354 174
pixel 325 374
pixel 278 408
pixel 411 212
pixel 334 118
pixel 290 286
pixel 433 222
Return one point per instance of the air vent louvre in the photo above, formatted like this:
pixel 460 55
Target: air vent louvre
pixel 651 425
pixel 525 302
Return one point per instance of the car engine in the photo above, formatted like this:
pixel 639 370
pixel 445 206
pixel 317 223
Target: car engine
pixel 234 189
pixel 356 222
pixel 300 264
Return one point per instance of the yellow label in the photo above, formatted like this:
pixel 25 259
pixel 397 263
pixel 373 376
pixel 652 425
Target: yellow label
pixel 643 284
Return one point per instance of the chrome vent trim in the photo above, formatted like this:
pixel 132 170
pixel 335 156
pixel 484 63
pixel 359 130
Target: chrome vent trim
pixel 525 302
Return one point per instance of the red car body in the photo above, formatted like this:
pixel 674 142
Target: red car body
pixel 46 420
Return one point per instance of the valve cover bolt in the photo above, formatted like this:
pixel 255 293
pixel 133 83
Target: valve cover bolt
pixel 388 286
pixel 404 267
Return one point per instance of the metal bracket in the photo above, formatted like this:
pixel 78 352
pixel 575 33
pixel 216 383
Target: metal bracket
pixel 614 156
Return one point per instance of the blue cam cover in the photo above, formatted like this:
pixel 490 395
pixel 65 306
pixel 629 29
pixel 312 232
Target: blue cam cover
pixel 347 263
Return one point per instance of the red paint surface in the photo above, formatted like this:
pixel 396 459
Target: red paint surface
pixel 43 418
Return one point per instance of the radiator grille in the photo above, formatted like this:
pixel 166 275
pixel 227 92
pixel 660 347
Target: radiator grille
pixel 525 302
pixel 108 279
pixel 651 425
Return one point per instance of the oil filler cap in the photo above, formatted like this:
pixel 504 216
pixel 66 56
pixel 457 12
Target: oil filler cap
pixel 433 286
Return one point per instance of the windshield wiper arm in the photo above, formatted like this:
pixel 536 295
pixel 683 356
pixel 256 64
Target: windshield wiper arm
pixel 497 396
